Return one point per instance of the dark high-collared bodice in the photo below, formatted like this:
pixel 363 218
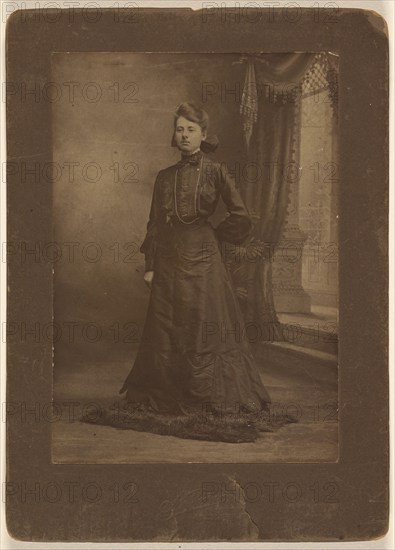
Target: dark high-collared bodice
pixel 187 193
pixel 186 187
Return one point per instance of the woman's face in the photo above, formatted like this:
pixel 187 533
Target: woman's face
pixel 188 135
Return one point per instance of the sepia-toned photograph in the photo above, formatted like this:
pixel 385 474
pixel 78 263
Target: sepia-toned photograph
pixel 195 211
pixel 196 271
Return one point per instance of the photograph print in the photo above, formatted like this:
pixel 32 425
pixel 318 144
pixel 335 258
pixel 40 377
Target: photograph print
pixel 196 284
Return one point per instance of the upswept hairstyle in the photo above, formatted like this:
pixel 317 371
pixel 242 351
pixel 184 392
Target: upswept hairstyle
pixel 191 112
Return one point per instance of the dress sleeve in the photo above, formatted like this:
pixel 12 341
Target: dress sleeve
pixel 149 244
pixel 237 225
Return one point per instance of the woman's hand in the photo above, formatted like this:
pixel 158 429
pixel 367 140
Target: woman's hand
pixel 148 278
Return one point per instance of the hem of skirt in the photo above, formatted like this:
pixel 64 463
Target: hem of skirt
pixel 210 427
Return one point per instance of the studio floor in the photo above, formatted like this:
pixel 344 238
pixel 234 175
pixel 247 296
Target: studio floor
pixel 302 389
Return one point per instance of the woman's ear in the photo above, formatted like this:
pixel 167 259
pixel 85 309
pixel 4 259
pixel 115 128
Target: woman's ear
pixel 204 135
pixel 173 141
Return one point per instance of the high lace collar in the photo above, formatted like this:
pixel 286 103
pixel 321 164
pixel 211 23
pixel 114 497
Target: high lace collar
pixel 193 158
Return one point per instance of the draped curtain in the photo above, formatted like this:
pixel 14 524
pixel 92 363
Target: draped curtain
pixel 272 149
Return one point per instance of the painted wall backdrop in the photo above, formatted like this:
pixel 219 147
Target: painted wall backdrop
pixel 112 128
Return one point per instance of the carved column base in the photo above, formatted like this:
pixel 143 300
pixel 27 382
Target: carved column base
pixel 288 292
pixel 292 300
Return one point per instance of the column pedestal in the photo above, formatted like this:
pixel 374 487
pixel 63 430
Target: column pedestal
pixel 288 293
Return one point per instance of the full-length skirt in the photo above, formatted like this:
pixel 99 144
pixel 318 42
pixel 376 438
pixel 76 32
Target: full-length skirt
pixel 193 354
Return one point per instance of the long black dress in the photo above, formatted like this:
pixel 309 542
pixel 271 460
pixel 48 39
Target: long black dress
pixel 193 352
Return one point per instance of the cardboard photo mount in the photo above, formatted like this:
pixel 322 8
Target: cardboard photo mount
pixel 342 501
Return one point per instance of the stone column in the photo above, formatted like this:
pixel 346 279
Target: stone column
pixel 288 292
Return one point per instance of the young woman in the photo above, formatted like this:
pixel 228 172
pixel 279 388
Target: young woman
pixel 193 357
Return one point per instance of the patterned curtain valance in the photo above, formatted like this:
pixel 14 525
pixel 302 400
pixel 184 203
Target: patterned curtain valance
pixel 283 77
pixel 322 75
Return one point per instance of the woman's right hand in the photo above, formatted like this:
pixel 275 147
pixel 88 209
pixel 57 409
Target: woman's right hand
pixel 148 278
